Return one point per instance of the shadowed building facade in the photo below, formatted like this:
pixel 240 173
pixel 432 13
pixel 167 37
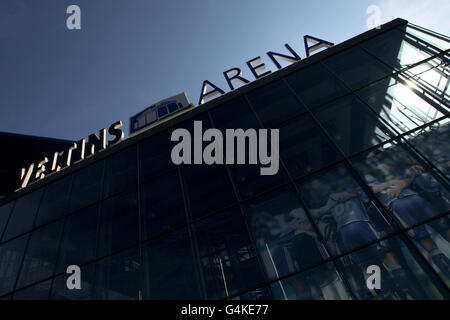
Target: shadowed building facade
pixel 363 180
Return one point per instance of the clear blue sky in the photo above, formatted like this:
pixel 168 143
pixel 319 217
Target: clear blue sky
pixel 129 54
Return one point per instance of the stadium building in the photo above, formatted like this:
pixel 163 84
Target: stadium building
pixel 363 180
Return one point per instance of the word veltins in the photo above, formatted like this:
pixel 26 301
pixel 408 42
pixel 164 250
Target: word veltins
pixel 234 144
pixel 77 152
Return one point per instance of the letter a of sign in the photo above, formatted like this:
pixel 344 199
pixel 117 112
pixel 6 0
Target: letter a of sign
pixel 206 95
pixel 316 44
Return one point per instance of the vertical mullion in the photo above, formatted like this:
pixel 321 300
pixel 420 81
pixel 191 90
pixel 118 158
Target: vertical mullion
pixel 61 236
pixel 28 241
pixel 306 209
pixel 236 193
pixel 97 236
pixel 139 187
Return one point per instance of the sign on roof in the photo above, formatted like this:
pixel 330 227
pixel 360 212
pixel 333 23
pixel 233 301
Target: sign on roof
pixel 157 112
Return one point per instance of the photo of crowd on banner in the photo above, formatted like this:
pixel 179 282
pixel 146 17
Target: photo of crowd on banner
pixel 347 215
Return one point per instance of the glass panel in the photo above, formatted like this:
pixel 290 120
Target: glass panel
pixel 54 202
pixel 406 187
pixel 169 268
pixel 5 210
pixel 86 186
pixel 233 115
pixel 162 205
pixel 304 148
pixel 78 242
pixel 247 178
pixel 285 239
pixel 119 223
pixel 356 67
pixel 433 80
pixel 400 274
pixel 257 294
pixel 155 155
pixel 120 172
pixel 40 258
pixel 397 103
pixel 344 213
pixel 22 217
pixel 274 103
pixel 321 283
pixel 249 181
pixel 438 41
pixel 11 254
pixel 315 85
pixel 39 291
pixel 228 259
pixel 432 142
pixel 117 277
pixel 208 188
pixel 397 49
pixel 352 125
pixel 433 242
pixel 86 292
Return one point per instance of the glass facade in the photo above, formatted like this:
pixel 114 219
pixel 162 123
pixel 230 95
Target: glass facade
pixel 363 180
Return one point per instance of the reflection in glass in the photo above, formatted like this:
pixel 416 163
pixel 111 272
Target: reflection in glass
pixel 118 223
pixel 162 205
pixel 39 291
pixel 344 213
pixel 356 67
pixel 396 103
pixel 78 242
pixel 398 49
pixel 120 172
pixel 208 188
pixel 432 142
pixel 433 241
pixel 40 258
pixel 169 268
pixel 5 210
pixel 233 115
pixel 433 78
pixel 405 186
pixel 257 294
pixel 228 260
pixel 155 155
pixel 86 186
pixel 274 103
pixel 401 275
pixel 285 239
pixel 117 276
pixel 321 283
pixel 22 216
pixel 11 254
pixel 247 178
pixel 315 85
pixel 352 125
pixel 304 148
pixel 428 36
pixel 54 202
